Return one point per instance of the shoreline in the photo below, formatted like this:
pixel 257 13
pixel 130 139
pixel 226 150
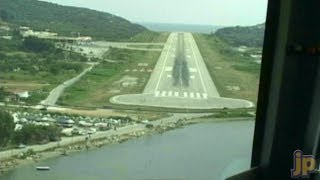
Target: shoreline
pixel 103 139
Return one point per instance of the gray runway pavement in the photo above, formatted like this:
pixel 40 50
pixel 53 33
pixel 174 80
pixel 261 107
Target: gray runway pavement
pixel 161 91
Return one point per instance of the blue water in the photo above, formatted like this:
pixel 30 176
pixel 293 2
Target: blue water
pixel 201 151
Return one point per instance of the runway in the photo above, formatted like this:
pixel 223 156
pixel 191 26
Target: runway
pixel 181 80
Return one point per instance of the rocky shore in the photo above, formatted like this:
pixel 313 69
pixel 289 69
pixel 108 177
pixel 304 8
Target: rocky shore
pixel 100 141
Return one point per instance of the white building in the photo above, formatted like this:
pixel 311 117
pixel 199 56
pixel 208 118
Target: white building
pixel 23 94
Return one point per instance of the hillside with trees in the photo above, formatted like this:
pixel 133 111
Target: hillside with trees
pixel 251 36
pixel 64 19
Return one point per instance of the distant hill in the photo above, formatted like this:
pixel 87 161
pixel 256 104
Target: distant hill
pixel 166 27
pixel 243 36
pixel 65 19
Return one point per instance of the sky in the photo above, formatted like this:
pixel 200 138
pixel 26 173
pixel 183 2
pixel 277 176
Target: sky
pixel 206 12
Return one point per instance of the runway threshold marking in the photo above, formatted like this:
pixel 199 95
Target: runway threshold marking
pixel 176 94
pixel 198 95
pixel 163 93
pixel 164 64
pixel 192 95
pixel 196 60
pixel 157 93
pixel 185 94
pixel 170 93
pixel 205 96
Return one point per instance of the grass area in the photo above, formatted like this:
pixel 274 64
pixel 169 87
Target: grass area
pixel 146 46
pixel 38 78
pixel 254 50
pixel 151 37
pixel 38 73
pixel 38 86
pixel 110 79
pixel 229 70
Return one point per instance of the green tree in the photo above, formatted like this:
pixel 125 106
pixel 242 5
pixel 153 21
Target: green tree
pixel 6 127
pixel 32 134
pixel 38 45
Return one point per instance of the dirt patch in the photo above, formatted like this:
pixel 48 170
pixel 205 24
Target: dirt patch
pixel 127 81
pixel 21 86
pixel 233 88
pixel 114 91
pixel 143 64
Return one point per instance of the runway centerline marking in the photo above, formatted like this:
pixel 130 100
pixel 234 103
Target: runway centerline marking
pixel 164 64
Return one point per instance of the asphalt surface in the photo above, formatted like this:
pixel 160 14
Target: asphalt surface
pixel 162 91
pixel 125 45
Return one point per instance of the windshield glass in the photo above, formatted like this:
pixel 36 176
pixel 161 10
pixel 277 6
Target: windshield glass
pixel 128 89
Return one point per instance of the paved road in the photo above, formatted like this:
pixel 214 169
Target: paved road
pixel 124 45
pixel 161 91
pixel 56 92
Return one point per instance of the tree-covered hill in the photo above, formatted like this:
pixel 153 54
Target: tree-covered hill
pixel 64 19
pixel 243 36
